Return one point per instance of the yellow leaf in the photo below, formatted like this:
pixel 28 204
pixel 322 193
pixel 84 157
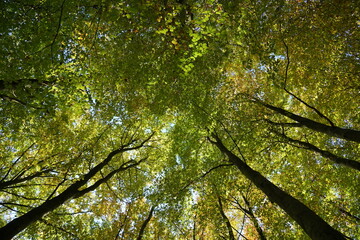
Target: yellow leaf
pixel 174 41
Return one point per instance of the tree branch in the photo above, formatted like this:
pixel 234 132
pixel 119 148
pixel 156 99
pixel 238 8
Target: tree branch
pixel 18 224
pixel 15 162
pixel 339 160
pixel 296 97
pixel 123 167
pixel 204 175
pixel 226 219
pixel 347 134
pixel 5 184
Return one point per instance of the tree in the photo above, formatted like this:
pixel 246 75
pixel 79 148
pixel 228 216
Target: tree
pixel 73 191
pixel 312 224
pixel 277 80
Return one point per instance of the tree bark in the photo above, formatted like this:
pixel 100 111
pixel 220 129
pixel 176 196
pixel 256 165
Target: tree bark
pixel 145 223
pixel 314 226
pixel 339 160
pixel 334 131
pixel 226 219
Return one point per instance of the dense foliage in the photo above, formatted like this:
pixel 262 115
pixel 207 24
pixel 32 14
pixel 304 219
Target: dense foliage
pixel 179 119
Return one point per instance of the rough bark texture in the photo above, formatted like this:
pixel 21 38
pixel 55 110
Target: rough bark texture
pixel 347 134
pixel 314 226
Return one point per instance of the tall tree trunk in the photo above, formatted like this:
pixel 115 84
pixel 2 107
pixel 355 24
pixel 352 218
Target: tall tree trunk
pixel 312 224
pixel 145 223
pixel 347 134
pixel 226 219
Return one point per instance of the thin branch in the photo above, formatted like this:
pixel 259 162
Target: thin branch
pixel 20 196
pixel 253 218
pixel 56 188
pixel 3 96
pixel 17 180
pixel 225 129
pixel 59 228
pixel 349 214
pixel 28 185
pixel 14 210
pixel 123 167
pixel 294 124
pixel 22 154
pixel 70 214
pixel 109 187
pixel 311 107
pixel 96 29
pixel 287 62
pixel 296 97
pixel 204 175
pixel 339 160
pixel 121 228
pixel 233 140
pixel 240 234
pixel 58 28
pixel 238 206
pixel 15 204
pixel 124 222
pixel 226 219
pixel 242 226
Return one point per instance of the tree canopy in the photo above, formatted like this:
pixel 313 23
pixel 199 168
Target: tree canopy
pixel 179 119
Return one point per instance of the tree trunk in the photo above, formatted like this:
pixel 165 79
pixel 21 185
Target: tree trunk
pixel 347 134
pixel 226 219
pixel 311 223
pixel 145 223
pixel 339 160
pixel 19 224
